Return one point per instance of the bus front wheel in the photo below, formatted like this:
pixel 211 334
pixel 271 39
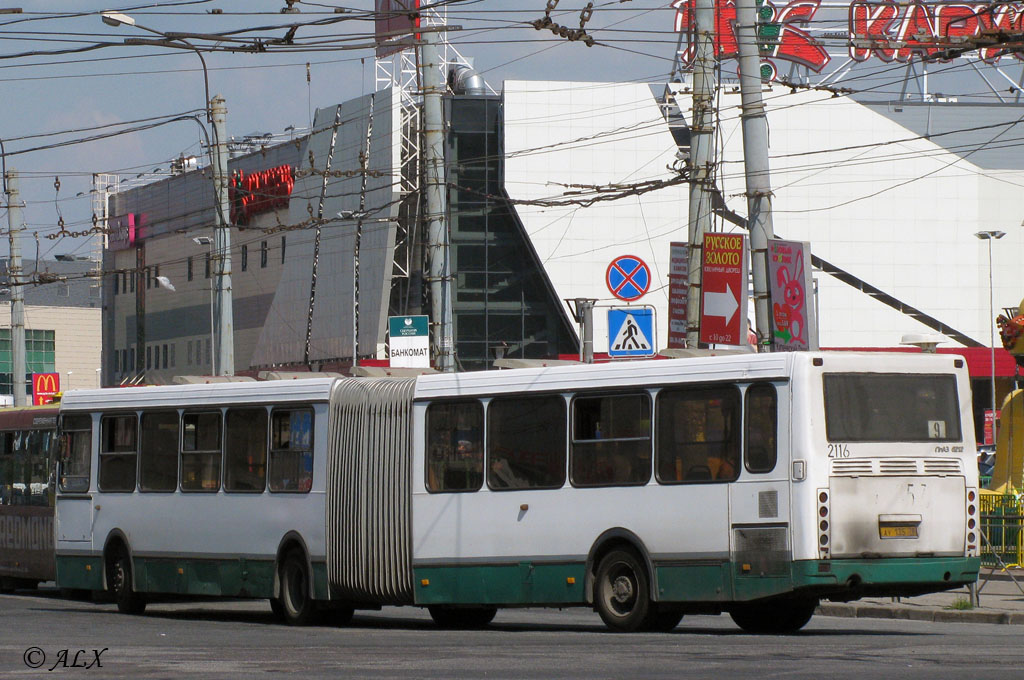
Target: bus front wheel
pixel 128 601
pixel 622 593
pixel 779 617
pixel 297 604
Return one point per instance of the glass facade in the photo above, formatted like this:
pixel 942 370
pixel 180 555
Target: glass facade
pixel 39 357
pixel 503 304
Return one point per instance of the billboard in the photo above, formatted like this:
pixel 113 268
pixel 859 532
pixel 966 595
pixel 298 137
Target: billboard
pixel 409 341
pixel 723 308
pixel 45 386
pixel 121 232
pixel 393 19
pixel 789 279
pixel 678 284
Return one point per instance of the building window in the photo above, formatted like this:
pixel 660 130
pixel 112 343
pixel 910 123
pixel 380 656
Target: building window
pixel 39 357
pixel 282 249
pixel 245 257
pixel 173 345
pixel 188 268
pixel 188 353
pixel 263 254
pixel 133 364
pixel 149 278
pixel 117 280
pixel 149 357
pixel 165 355
pixel 131 280
pixel 207 268
pixel 156 275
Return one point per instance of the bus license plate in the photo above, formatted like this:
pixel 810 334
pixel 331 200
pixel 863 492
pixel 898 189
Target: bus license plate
pixel 897 531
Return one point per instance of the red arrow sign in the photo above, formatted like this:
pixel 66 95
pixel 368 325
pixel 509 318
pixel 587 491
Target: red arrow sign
pixel 723 314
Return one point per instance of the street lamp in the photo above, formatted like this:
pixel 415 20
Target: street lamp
pixel 991 236
pixel 224 341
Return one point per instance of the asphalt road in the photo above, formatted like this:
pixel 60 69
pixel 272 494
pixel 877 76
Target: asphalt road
pixel 242 640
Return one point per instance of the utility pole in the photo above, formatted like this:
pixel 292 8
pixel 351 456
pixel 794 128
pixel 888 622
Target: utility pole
pixel 702 129
pixel 755 162
pixel 439 261
pixel 14 281
pixel 224 336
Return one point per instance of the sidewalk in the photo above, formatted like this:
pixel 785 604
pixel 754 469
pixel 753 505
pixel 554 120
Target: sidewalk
pixel 1002 601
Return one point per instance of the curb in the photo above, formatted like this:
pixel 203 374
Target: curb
pixel 874 611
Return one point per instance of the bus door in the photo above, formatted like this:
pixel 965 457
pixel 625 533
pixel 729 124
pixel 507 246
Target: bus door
pixel 759 500
pixel 74 505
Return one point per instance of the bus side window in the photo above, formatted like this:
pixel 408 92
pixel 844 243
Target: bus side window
pixel 200 451
pixel 291 450
pixel 526 443
pixel 118 442
pixel 698 434
pixel 76 453
pixel 158 451
pixel 761 442
pixel 455 446
pixel 611 440
pixel 245 456
pixel 6 469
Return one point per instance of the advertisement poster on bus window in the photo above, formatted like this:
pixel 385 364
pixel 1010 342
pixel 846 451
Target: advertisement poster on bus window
pixel 790 287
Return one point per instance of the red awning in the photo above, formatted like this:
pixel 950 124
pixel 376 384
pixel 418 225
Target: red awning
pixel 979 359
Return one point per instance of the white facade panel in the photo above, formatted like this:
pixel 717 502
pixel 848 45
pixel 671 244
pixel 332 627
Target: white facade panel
pixel 872 196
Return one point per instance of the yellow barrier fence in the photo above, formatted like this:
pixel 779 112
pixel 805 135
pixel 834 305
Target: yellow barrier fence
pixel 1001 530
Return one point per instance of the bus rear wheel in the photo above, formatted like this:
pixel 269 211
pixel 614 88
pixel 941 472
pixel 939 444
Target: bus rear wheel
pixel 462 618
pixel 621 592
pixel 778 618
pixel 128 601
pixel 297 606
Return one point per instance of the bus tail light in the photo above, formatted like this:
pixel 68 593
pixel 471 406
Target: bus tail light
pixel 824 525
pixel 973 522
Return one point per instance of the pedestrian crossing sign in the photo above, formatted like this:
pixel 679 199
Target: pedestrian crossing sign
pixel 631 332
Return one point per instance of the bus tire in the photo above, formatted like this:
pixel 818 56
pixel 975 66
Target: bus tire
pixel 663 620
pixel 277 608
pixel 774 618
pixel 462 618
pixel 621 591
pixel 297 603
pixel 128 601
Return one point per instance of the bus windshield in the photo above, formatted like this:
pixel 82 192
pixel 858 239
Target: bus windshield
pixel 889 407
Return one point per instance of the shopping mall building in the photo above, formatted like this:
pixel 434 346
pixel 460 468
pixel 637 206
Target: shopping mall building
pixel 548 183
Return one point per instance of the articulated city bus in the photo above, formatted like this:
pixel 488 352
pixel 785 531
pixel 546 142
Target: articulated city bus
pixel 751 484
pixel 27 436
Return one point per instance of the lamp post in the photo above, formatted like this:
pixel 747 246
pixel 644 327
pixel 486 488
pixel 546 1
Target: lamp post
pixel 223 338
pixel 991 236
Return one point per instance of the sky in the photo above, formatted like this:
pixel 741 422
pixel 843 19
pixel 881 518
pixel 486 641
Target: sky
pixel 104 89
pixel 266 92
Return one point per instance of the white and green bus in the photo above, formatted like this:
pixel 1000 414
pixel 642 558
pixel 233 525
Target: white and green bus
pixel 751 484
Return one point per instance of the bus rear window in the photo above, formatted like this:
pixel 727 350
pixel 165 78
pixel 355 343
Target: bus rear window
pixel 891 407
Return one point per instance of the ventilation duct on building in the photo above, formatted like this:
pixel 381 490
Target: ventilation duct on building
pixel 465 80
